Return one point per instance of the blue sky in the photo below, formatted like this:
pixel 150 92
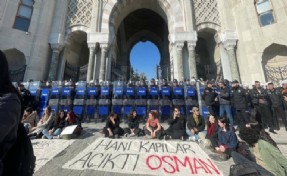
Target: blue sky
pixel 144 58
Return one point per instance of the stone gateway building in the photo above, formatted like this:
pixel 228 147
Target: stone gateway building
pixel 92 39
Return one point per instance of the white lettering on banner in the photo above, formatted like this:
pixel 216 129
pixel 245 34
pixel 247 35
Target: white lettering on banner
pixel 92 90
pixel 144 157
pixel 45 150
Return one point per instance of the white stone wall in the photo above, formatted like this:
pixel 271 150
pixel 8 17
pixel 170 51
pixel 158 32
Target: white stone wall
pixel 34 44
pixel 253 38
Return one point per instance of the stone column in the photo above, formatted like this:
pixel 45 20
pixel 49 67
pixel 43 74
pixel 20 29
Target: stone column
pixel 61 66
pixel 109 69
pixel 230 48
pixel 103 61
pixel 56 48
pixel 191 60
pixel 92 48
pixel 179 47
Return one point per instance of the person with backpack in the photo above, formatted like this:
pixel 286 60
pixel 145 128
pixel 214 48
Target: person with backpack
pixel 268 159
pixel 13 137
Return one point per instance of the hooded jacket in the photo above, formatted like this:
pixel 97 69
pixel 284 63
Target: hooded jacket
pixel 10 112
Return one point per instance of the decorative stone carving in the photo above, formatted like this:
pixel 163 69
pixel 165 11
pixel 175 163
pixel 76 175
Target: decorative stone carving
pixel 79 12
pixel 206 11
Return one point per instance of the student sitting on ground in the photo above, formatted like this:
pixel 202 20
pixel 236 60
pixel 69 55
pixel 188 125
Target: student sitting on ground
pixel 269 160
pixel 211 138
pixel 30 119
pixel 133 125
pixel 177 126
pixel 58 125
pixel 73 119
pixel 153 127
pixel 112 128
pixel 45 123
pixel 227 139
pixel 195 126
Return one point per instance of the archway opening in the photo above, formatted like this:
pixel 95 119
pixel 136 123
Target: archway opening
pixel 76 54
pixel 145 60
pixel 274 62
pixel 136 28
pixel 17 64
pixel 207 57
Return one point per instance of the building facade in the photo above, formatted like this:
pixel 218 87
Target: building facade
pixel 92 39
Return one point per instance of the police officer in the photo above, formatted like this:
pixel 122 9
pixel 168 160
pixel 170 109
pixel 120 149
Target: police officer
pixel 209 96
pixel 238 100
pixel 275 97
pixel 224 101
pixel 26 96
pixel 260 101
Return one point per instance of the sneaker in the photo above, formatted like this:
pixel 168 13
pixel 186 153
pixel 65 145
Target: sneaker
pixel 126 135
pixel 182 138
pixel 192 138
pixel 199 141
pixel 132 135
pixel 272 131
pixel 166 137
pixel 44 137
pixel 56 137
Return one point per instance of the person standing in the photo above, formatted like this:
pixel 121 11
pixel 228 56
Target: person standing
pixel 209 96
pixel 238 99
pixel 275 97
pixel 224 102
pixel 10 114
pixel 262 107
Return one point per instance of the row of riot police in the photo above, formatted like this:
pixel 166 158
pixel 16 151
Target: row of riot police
pixel 90 100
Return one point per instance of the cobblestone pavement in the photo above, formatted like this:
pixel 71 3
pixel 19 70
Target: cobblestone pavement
pixel 91 133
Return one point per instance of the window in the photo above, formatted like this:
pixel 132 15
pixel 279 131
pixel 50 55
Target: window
pixel 265 12
pixel 24 14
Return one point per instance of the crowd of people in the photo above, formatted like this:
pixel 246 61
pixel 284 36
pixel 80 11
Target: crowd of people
pixel 255 109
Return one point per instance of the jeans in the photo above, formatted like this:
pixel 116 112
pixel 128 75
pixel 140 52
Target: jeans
pixel 200 135
pixel 227 110
pixel 50 136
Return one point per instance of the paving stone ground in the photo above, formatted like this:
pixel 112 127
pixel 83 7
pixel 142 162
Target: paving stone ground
pixel 91 133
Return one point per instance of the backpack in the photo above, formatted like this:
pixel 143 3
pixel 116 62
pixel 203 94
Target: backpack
pixel 243 170
pixel 20 159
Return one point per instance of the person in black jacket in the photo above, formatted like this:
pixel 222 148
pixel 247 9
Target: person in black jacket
pixel 112 128
pixel 238 99
pixel 10 115
pixel 261 104
pixel 195 126
pixel 224 102
pixel 133 125
pixel 275 96
pixel 209 96
pixel 177 126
